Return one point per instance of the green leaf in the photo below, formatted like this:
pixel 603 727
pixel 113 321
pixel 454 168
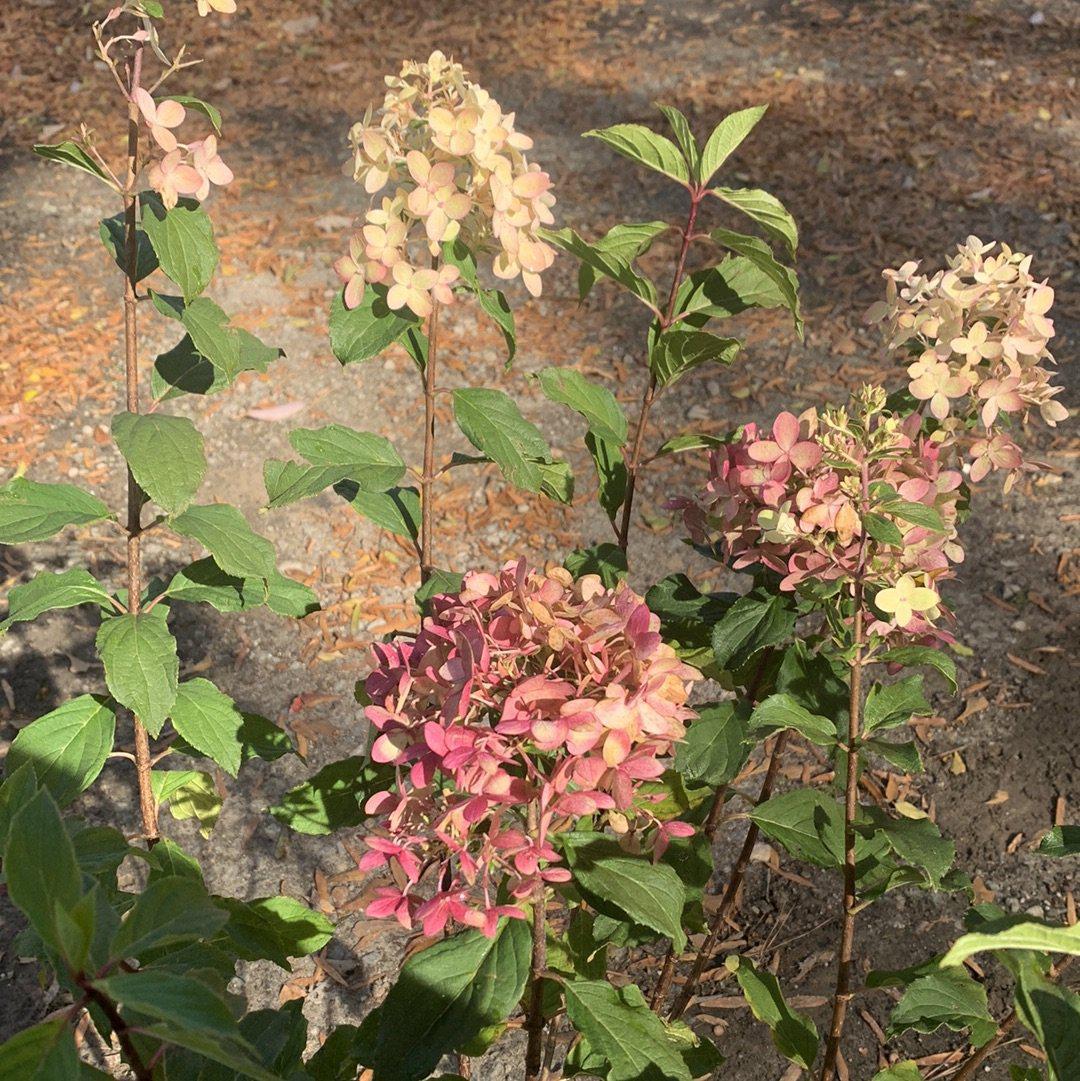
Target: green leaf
pixel 611 473
pixel 610 260
pixel 687 616
pixel 286 596
pixel 275 929
pixel 882 530
pixel 224 532
pixel 494 425
pixel 683 136
pixel 953 999
pixel 69 153
pixel 366 330
pixel 726 138
pixel 916 840
pixel 759 620
pixel 794 1034
pixel 808 823
pixel 18 786
pixel 716 746
pixel 43 888
pixel 67 747
pixel 679 350
pixel 640 144
pixel 113 233
pixel 911 656
pixel 902 1071
pixel 1052 1012
pixel 904 756
pixel 621 1029
pixel 595 403
pixel 45 1052
pixel 734 285
pixel 606 560
pixel 189 1014
pixel 492 301
pixel 165 454
pixel 439 581
pixel 446 995
pixel 333 798
pixel 1061 841
pixel 47 592
pixel 373 463
pixel 141 665
pixel 197 105
pixel 557 481
pixel 170 910
pixel 32 512
pixel 183 240
pixel 1014 933
pixel 210 722
pixel 628 887
pixel 679 444
pixel 894 704
pixel 780 711
pixel 757 251
pixel 188 793
pixel 229 350
pixel 766 210
pixel 917 514
pixel 619 247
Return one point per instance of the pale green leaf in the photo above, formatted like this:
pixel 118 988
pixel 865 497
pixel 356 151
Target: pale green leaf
pixel 47 592
pixel 189 794
pixel 31 512
pixel 758 252
pixel 141 665
pixel 493 424
pixel 726 138
pixel 224 532
pixel 766 210
pixel 1015 933
pixel 641 144
pixel 595 403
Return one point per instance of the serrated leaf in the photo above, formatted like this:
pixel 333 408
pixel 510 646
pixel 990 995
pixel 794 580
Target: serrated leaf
pixel 141 665
pixel 766 210
pixel 66 748
pixel 679 444
pixel 918 514
pixel 47 592
pixel 902 1071
pixel 894 704
pixel 363 332
pixel 754 622
pixel 953 999
pixel 210 722
pixel 275 929
pixel 734 285
pixel 683 136
pixel 628 887
pixel 69 153
pixel 30 511
pixel 183 240
pixel 609 261
pixel 1014 933
pixel 1061 841
pixel 917 841
pixel 716 745
pixel 679 350
pixel 492 422
pixel 725 139
pixel 641 144
pixel 687 615
pixel 556 481
pixel 595 403
pixel 169 911
pixel 621 245
pixel 606 560
pixel 447 994
pixel 224 532
pixel 758 252
pixel 189 793
pixel 373 462
pixel 1052 1012
pixel 396 509
pixel 911 656
pixel 780 711
pixel 333 798
pixel 165 455
pixel 45 1052
pixel 904 756
pixel 882 530
pixel 621 1030
pixel 794 1034
pixel 113 233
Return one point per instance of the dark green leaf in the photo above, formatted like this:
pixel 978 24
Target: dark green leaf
pixel 758 252
pixel 610 472
pixel 687 615
pixel 141 664
pixel 606 560
pixel 165 455
pixel 611 262
pixel 882 530
pixel 397 509
pixel 183 240
pixel 69 153
pixel 679 350
pixel 67 747
pixel 808 823
pixel 439 581
pixel 618 248
pixel 911 656
pixel 904 756
pixel 333 798
pixel 45 1052
pixel 275 929
pixel 366 330
pixel 32 512
pixel 894 704
pixel 494 425
pixel 199 106
pixel 210 722
pixel 735 285
pixel 944 998
pixel 1052 1012
pixel 917 514
pixel 780 711
pixel 794 1034
pixel 167 912
pixel 759 620
pixel 113 233
pixel 716 745
pixel 1061 841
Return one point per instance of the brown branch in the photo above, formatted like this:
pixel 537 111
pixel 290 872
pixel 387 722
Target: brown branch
pixel 634 463
pixel 135 497
pixel 134 1060
pixel 534 1025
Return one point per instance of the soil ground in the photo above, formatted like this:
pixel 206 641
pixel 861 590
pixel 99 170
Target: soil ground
pixel 894 132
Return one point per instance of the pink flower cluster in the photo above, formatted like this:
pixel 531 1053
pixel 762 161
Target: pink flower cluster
pixel 977 335
pixel 821 498
pixel 185 169
pixel 458 169
pixel 527 701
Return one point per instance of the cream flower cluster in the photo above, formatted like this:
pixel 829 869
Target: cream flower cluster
pixel 185 169
pixel 977 334
pixel 451 165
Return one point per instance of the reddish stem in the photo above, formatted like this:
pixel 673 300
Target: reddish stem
pixel 534 1023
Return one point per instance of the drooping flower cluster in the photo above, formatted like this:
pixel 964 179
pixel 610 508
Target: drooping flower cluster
pixel 976 334
pixel 456 168
pixel 527 701
pixel 823 497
